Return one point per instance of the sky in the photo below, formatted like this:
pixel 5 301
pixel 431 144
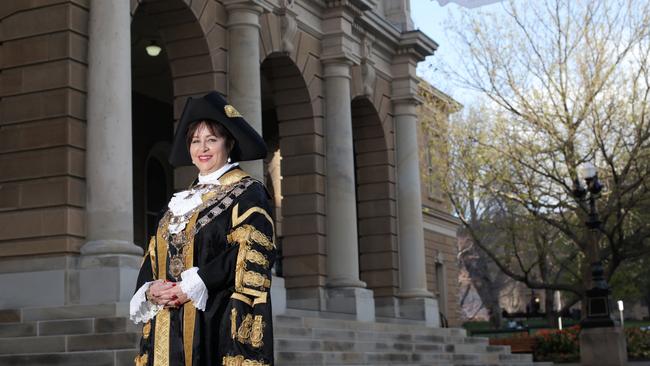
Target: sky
pixel 429 17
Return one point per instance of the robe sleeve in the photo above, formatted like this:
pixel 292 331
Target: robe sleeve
pixel 249 315
pixel 140 310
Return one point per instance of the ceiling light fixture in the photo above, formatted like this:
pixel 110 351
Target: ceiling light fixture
pixel 153 49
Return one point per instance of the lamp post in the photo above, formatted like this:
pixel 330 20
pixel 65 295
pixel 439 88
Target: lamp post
pixel 600 342
pixel 598 296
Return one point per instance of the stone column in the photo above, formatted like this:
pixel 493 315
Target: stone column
pixel 110 260
pixel 346 293
pixel 244 88
pixel 416 300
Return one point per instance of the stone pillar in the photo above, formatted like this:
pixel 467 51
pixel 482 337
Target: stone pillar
pixel 603 347
pixel 416 301
pixel 244 88
pixel 110 261
pixel 346 293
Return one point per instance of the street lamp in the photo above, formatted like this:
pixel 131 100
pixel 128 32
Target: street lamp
pixel 598 297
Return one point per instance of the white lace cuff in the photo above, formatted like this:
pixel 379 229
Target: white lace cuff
pixel 192 285
pixel 141 310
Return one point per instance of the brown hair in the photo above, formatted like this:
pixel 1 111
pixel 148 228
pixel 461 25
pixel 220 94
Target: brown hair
pixel 215 128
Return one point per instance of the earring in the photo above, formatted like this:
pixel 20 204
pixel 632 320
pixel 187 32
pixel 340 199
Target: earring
pixel 229 159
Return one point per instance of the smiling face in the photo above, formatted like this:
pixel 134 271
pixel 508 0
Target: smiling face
pixel 208 149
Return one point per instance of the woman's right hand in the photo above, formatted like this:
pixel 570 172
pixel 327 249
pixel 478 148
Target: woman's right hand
pixel 156 292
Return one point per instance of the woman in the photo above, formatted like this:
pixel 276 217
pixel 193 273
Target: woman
pixel 203 291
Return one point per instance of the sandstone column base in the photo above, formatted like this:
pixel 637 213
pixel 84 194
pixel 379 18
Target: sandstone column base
pixel 351 300
pixel 108 278
pixel 420 308
pixel 387 306
pixel 39 281
pixel 603 347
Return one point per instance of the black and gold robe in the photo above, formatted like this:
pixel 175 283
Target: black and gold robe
pixel 231 241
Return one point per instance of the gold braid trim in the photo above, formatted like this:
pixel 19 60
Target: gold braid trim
pixel 233 323
pixel 232 177
pixel 146 330
pixel 161 347
pixel 256 257
pixel 237 219
pixel 189 311
pixel 246 234
pixel 256 280
pixel 242 298
pixel 141 360
pixel 162 247
pixel 260 299
pixel 257 332
pixel 244 331
pixel 241 361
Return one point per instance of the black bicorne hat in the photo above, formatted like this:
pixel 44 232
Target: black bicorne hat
pixel 249 145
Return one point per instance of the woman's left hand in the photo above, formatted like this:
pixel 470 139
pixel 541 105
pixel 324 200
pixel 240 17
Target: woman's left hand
pixel 176 297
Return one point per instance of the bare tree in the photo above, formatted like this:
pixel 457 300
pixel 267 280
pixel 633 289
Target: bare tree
pixel 566 82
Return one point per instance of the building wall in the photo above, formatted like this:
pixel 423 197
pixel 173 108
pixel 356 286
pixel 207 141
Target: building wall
pixel 439 225
pixel 43 71
pixel 42 126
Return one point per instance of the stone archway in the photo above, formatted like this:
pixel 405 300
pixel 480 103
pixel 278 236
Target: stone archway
pixel 186 66
pixel 295 173
pixel 192 35
pixel 376 205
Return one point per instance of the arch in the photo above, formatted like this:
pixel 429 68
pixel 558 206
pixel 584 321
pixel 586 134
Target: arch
pixel 295 133
pixel 193 36
pixel 376 205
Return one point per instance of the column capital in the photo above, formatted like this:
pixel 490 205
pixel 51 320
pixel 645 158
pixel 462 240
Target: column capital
pixel 256 6
pixel 406 105
pixel 415 45
pixel 337 67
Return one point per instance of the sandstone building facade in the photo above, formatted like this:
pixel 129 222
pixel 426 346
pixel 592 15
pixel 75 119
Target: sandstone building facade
pixel 87 117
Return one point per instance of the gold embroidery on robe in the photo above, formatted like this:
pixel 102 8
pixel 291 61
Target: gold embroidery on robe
pixel 232 177
pixel 189 311
pixel 238 219
pixel 233 323
pixel 256 257
pixel 256 280
pixel 161 347
pixel 146 330
pixel 242 298
pixel 257 332
pixel 241 361
pixel 141 360
pixel 260 299
pixel 247 234
pixel 244 331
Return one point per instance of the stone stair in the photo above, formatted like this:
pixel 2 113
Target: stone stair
pixel 102 335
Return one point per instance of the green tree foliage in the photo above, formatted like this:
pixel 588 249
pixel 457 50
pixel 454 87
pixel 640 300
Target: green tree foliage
pixel 565 82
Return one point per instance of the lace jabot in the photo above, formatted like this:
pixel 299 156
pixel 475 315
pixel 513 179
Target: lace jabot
pixel 183 202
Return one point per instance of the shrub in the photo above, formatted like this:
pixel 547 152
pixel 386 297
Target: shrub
pixel 557 345
pixel 638 343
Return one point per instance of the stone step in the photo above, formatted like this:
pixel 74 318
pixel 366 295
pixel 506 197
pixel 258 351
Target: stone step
pixel 68 343
pixel 318 345
pixel 94 358
pixel 327 323
pixel 378 358
pixel 67 327
pixel 64 312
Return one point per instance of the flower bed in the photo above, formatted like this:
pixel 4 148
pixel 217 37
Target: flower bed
pixel 564 345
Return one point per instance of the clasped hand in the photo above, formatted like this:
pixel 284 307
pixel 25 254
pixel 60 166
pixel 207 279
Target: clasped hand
pixel 168 294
